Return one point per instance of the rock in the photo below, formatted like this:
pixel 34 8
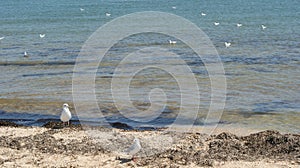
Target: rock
pixel 9 123
pixel 120 125
pixel 226 136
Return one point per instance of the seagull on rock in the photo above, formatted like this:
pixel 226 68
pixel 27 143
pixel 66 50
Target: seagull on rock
pixel 66 114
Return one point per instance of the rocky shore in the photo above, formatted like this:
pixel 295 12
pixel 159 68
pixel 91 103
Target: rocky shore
pixel 74 146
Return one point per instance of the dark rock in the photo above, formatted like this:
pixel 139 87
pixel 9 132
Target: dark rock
pixel 60 125
pixel 226 135
pixel 9 123
pixel 120 125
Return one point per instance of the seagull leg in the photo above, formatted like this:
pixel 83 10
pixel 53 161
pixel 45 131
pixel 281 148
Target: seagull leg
pixel 134 158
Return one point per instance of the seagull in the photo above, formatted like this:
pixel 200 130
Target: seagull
pixel 65 114
pixel 203 14
pixel 25 54
pixel 227 44
pixel 263 27
pixel 134 148
pixel 1 38
pixel 239 25
pixel 173 7
pixel 81 9
pixel 172 42
pixel 216 23
pixel 42 35
pixel 107 14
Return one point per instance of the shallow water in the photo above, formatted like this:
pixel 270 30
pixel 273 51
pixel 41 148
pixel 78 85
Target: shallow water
pixel 261 67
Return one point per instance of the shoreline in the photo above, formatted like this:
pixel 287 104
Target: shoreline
pixel 238 128
pixel 15 110
pixel 102 147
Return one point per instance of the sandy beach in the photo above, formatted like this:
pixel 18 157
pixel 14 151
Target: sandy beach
pixel 102 147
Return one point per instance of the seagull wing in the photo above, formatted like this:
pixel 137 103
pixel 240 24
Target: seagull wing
pixel 133 149
pixel 65 115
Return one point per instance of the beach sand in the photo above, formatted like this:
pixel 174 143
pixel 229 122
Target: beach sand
pixel 102 147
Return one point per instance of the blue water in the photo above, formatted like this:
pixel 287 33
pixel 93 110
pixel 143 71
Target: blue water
pixel 262 66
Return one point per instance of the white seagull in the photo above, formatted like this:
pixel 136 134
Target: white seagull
pixel 203 14
pixel 263 27
pixel 216 23
pixel 42 35
pixel 227 44
pixel 25 54
pixel 107 14
pixel 134 148
pixel 1 38
pixel 239 25
pixel 172 42
pixel 81 9
pixel 65 114
pixel 173 7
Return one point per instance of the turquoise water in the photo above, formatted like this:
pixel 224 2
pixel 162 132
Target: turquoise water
pixel 262 66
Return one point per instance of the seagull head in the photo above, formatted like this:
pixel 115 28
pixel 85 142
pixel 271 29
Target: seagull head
pixel 66 105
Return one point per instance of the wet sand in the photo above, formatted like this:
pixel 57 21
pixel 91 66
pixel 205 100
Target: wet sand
pixel 73 146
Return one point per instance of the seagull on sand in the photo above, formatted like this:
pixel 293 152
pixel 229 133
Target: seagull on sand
pixel 1 38
pixel 134 148
pixel 172 42
pixel 227 44
pixel 42 35
pixel 65 114
pixel 239 25
pixel 263 27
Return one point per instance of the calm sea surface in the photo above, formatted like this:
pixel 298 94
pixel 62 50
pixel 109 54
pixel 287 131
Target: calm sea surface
pixel 262 67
